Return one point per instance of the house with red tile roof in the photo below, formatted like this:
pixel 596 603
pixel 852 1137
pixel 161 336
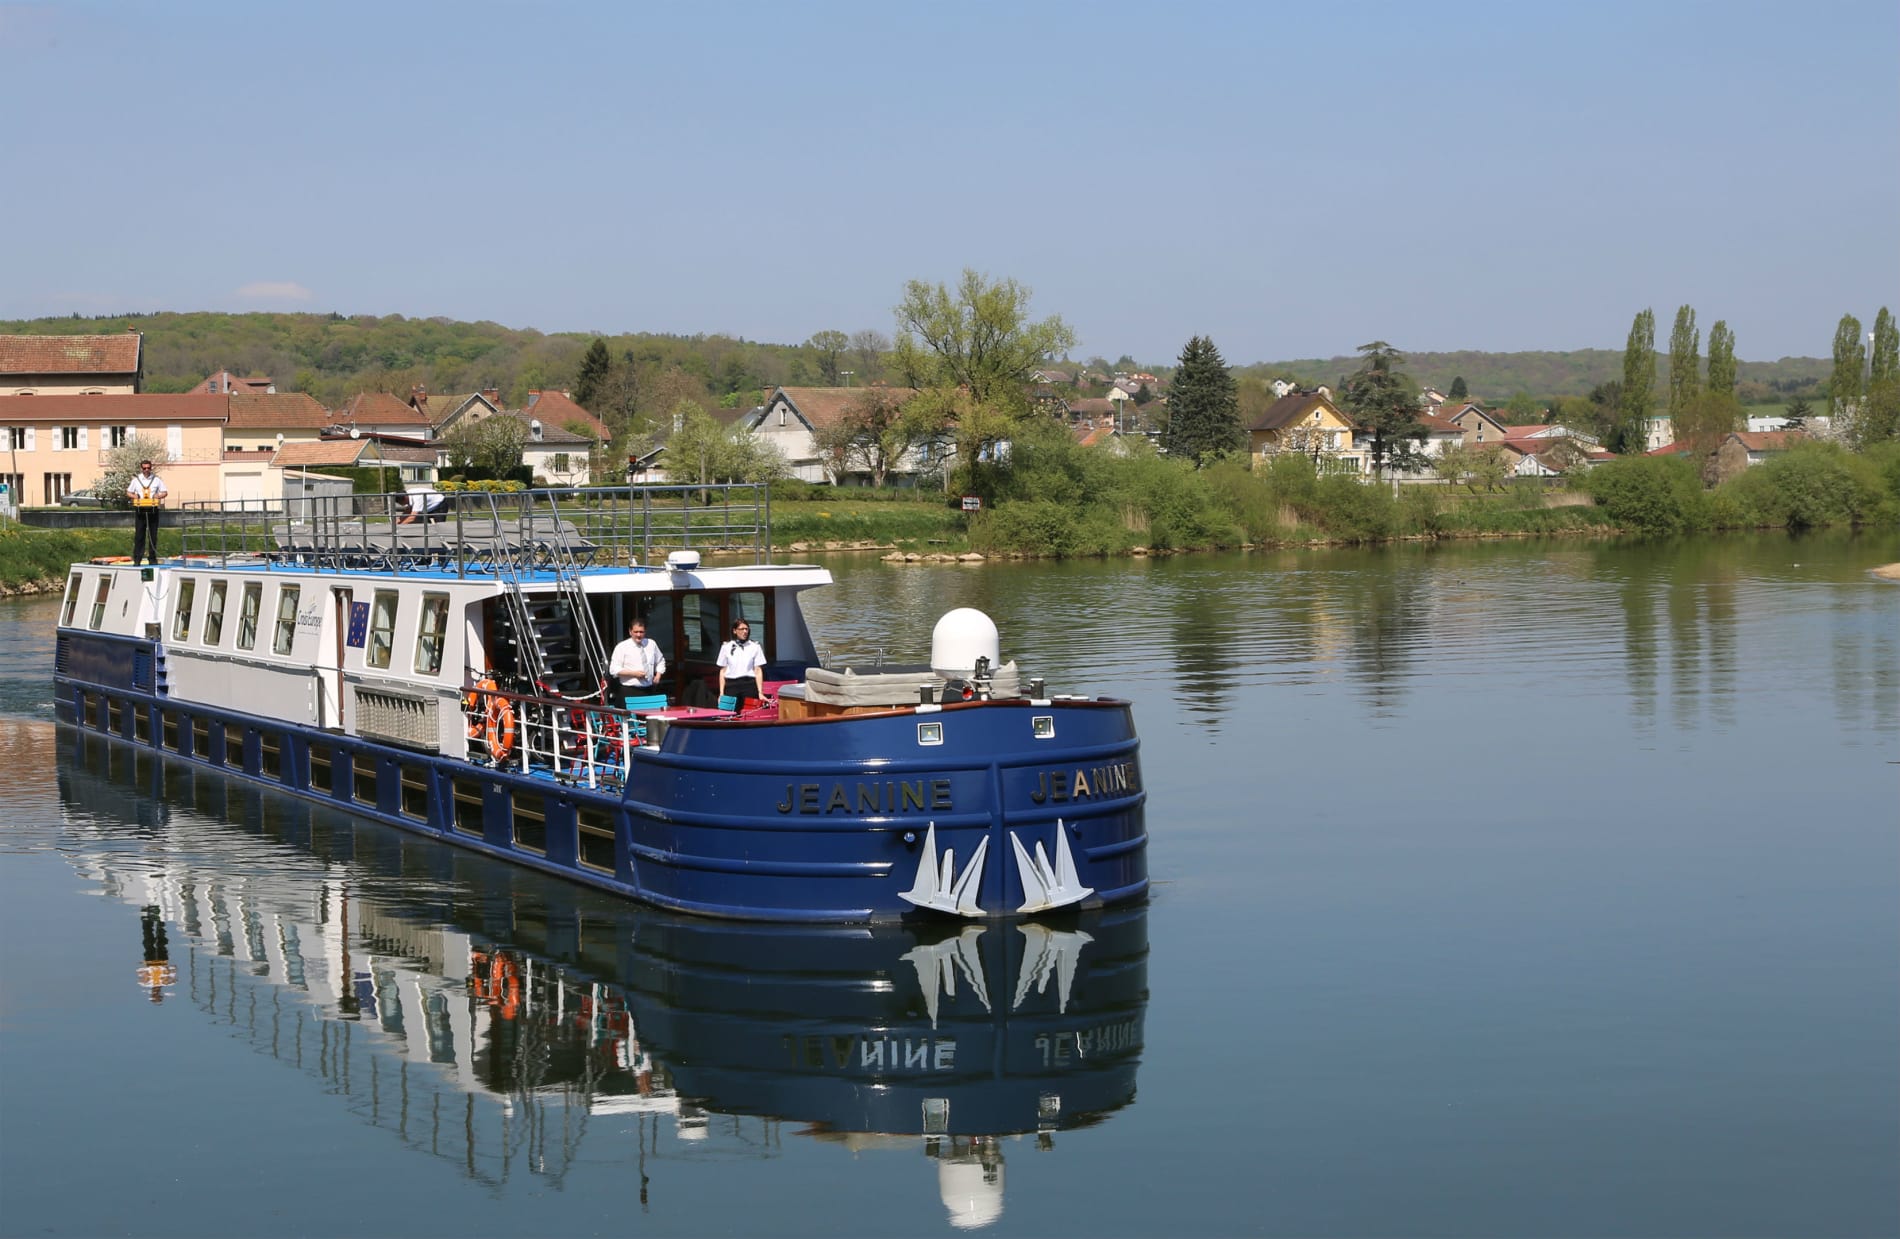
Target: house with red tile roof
pixel 256 425
pixel 56 444
pixel 382 413
pixel 557 408
pixel 52 365
pixel 224 383
pixel 1742 450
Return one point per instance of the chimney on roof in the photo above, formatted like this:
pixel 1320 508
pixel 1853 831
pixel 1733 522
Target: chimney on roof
pixel 420 389
pixel 493 395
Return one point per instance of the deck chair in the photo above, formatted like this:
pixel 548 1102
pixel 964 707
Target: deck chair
pixel 655 701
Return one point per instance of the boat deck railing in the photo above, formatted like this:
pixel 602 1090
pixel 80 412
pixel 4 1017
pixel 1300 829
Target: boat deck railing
pixel 485 533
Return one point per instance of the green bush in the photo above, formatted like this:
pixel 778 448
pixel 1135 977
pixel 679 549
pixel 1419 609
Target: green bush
pixel 1650 495
pixel 1810 486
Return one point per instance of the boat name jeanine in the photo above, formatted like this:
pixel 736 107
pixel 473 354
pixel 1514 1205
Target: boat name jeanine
pixel 1061 785
pixel 889 796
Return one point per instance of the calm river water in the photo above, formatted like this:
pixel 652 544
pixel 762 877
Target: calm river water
pixel 1541 889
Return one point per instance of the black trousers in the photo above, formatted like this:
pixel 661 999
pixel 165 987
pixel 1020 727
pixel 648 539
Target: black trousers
pixel 145 535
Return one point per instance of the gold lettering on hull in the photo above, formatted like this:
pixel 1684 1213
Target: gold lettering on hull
pixel 868 799
pixel 1086 783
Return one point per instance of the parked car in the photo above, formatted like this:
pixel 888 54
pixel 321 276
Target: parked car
pixel 81 499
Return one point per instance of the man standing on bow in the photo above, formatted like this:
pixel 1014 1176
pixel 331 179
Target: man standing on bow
pixel 637 664
pixel 147 492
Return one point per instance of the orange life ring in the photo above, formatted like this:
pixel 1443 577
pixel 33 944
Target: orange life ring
pixel 500 729
pixel 491 718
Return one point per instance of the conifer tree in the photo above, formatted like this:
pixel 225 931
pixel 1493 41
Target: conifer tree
pixel 592 376
pixel 1203 406
pixel 1384 403
pixel 1458 389
pixel 1721 359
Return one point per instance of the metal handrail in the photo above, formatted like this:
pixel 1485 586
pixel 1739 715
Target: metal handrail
pixel 582 526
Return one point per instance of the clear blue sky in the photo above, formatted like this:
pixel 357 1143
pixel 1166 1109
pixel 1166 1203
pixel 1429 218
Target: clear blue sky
pixel 1289 179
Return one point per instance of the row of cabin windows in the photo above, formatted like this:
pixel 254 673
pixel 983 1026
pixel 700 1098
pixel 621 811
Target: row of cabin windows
pixel 431 628
pixel 211 634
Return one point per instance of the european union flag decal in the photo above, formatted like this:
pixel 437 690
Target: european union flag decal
pixel 359 625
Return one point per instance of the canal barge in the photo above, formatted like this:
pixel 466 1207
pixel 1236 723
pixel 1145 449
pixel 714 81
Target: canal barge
pixel 448 675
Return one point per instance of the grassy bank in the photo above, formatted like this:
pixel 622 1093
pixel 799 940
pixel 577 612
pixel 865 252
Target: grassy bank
pixel 1060 500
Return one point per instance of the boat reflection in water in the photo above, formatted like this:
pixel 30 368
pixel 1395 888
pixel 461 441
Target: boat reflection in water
pixel 487 1014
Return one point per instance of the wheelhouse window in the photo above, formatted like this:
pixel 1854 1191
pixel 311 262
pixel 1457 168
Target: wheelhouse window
pixel 99 599
pixel 214 613
pixel 181 618
pixel 248 611
pixel 72 600
pixel 431 633
pixel 286 631
pixel 382 628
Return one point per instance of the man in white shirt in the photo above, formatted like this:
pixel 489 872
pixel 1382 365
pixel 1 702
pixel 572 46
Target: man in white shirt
pixel 637 664
pixel 425 503
pixel 147 492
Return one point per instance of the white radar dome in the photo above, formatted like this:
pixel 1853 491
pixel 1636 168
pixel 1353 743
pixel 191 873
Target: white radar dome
pixel 961 637
pixel 972 1193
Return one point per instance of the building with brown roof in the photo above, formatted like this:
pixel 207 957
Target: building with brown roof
pixel 256 426
pixel 1307 422
pixel 791 416
pixel 224 383
pixel 54 365
pixel 56 444
pixel 557 408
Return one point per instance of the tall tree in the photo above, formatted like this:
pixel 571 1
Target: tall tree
pixel 1886 359
pixel 828 346
pixel 1639 381
pixel 868 349
pixel 1383 401
pixel 1850 358
pixel 1458 389
pixel 969 354
pixel 592 374
pixel 1685 362
pixel 1722 359
pixel 1204 409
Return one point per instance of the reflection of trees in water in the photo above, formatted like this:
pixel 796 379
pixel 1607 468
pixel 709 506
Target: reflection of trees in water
pixel 1637 595
pixel 1391 610
pixel 1865 662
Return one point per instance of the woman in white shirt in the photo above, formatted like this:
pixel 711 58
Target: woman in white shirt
pixel 740 662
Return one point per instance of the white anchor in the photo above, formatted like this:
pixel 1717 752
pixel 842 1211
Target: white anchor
pixel 940 887
pixel 1047 886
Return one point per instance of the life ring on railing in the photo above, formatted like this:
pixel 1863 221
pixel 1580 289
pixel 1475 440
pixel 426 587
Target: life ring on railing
pixel 491 718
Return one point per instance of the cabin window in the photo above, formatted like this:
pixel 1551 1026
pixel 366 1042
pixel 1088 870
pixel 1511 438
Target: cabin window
pixel 431 633
pixel 99 599
pixel 181 618
pixel 286 619
pixel 214 613
pixel 72 600
pixel 247 615
pixel 695 619
pixel 382 628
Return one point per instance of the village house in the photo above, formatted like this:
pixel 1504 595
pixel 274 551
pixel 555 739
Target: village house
pixel 100 365
pixel 791 417
pixel 1309 423
pixel 1741 450
pixel 56 444
pixel 379 412
pixel 256 426
pixel 224 383
pixel 1479 428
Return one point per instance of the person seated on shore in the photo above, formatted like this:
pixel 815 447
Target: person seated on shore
pixel 740 663
pixel 424 502
pixel 637 664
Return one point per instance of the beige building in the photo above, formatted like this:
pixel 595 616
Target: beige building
pixel 110 365
pixel 56 444
pixel 256 428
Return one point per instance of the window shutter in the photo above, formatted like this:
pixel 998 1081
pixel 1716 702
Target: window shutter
pixel 82 438
pixel 175 441
pixel 105 437
pixel 29 439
